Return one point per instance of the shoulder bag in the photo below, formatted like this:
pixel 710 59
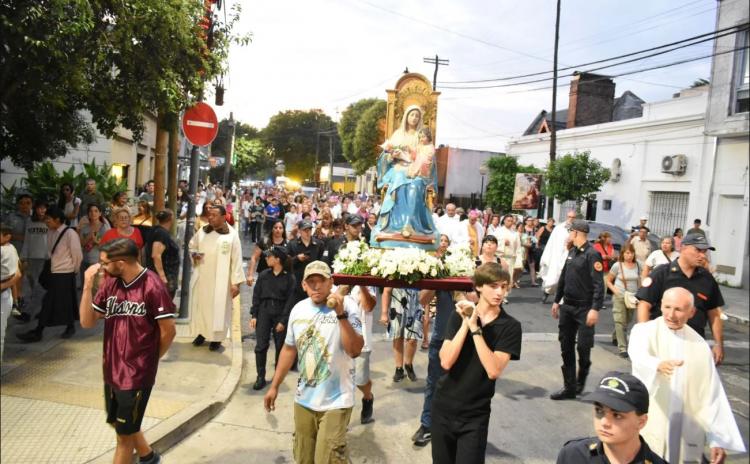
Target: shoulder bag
pixel 46 274
pixel 631 302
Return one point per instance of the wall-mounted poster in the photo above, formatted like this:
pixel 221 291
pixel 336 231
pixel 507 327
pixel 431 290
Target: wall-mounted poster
pixel 526 191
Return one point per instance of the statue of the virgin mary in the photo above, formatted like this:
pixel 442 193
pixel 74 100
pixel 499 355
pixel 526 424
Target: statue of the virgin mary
pixel 405 220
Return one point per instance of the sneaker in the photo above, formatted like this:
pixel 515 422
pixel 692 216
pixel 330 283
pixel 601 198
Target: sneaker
pixel 410 372
pixel 214 346
pixel 366 416
pixel 259 384
pixel 20 316
pixel 422 436
pixel 199 340
pixel 155 459
pixel 624 355
pixel 399 375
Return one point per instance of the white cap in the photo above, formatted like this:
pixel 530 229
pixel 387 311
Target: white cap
pixel 644 218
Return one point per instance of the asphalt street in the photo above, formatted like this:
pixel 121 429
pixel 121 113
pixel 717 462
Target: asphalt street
pixel 526 427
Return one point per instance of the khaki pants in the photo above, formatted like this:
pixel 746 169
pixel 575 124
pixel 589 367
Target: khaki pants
pixel 320 437
pixel 622 316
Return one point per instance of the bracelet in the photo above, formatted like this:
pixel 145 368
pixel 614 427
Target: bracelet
pixel 476 332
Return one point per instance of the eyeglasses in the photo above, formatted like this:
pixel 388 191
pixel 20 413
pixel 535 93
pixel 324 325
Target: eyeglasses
pixel 104 263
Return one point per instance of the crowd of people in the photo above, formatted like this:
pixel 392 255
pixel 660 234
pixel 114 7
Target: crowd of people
pixel 121 260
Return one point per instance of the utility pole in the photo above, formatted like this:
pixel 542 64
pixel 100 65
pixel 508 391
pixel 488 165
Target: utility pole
pixel 230 152
pixel 316 175
pixel 330 160
pixel 437 62
pixel 553 128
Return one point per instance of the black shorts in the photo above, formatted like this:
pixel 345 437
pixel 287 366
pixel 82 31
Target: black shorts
pixel 125 408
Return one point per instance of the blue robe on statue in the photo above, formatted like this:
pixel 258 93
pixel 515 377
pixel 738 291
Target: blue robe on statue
pixel 404 210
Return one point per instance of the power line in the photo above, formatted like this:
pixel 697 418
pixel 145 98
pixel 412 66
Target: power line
pixel 667 65
pixel 734 30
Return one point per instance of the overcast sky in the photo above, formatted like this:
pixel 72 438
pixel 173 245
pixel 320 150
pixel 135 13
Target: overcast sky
pixel 329 53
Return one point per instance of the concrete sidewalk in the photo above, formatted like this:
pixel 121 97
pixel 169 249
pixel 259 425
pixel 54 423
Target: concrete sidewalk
pixel 737 307
pixel 53 404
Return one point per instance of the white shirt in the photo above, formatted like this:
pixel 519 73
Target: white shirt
pixel 366 317
pixel 326 372
pixel 658 257
pixel 449 226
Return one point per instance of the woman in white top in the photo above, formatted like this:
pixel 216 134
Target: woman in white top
pixel 494 225
pixel 290 222
pixel 623 276
pixel 664 255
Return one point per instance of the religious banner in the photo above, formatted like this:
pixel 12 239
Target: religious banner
pixel 526 191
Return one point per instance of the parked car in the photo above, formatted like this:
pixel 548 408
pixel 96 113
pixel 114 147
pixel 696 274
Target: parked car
pixel 619 235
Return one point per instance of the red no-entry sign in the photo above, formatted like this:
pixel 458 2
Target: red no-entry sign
pixel 199 124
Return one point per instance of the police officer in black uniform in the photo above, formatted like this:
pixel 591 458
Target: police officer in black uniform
pixel 273 299
pixel 581 289
pixel 303 250
pixel 352 232
pixel 620 412
pixel 687 271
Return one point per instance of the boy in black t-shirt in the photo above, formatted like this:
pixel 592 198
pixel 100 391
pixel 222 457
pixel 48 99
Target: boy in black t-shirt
pixel 476 350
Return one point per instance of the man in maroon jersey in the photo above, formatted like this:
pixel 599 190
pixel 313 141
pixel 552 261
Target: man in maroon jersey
pixel 138 329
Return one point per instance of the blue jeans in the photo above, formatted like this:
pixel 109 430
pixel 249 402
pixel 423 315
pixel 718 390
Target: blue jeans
pixel 434 371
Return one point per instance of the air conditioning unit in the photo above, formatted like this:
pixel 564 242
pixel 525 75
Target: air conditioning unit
pixel 616 171
pixel 674 164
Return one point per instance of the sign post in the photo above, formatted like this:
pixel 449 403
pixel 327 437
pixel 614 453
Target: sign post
pixel 200 126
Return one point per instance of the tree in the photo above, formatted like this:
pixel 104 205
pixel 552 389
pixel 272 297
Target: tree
pixel 502 181
pixel 113 61
pixel 575 178
pixel 220 146
pixel 292 135
pixel 368 137
pixel 699 83
pixel 347 127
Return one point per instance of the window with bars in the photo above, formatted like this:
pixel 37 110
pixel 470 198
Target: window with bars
pixel 668 211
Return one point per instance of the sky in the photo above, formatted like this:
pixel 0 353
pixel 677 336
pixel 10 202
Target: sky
pixel 327 54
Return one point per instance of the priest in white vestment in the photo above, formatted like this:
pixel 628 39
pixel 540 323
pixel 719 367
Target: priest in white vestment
pixel 217 275
pixel 554 255
pixel 689 408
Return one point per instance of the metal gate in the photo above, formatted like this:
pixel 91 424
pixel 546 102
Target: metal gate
pixel 668 211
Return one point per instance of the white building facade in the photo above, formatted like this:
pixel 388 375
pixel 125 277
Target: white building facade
pixel 129 159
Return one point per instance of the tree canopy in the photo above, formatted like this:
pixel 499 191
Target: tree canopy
pixel 575 177
pixel 292 135
pixel 66 63
pixel 347 127
pixel 368 136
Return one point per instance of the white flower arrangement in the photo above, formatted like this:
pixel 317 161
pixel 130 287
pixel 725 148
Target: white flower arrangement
pixel 459 261
pixel 409 264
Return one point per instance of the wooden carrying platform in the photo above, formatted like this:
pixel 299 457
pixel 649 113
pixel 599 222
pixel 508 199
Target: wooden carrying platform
pixel 447 283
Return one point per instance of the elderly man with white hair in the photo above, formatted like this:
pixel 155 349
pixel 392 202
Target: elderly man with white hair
pixel 689 407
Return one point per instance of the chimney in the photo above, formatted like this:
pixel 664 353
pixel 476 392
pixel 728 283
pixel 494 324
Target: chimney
pixel 592 98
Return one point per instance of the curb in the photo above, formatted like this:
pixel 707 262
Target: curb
pixel 737 319
pixel 172 430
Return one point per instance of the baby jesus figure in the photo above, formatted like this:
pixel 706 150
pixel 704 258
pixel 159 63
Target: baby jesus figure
pixel 423 156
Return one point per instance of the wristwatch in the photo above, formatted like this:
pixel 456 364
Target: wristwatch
pixel 343 315
pixel 477 332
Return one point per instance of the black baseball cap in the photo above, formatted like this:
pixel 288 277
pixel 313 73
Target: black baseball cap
pixel 621 392
pixel 354 220
pixel 699 241
pixel 580 225
pixel 278 251
pixel 304 225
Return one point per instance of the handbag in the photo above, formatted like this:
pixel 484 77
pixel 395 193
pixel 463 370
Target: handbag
pixel 631 302
pixel 46 275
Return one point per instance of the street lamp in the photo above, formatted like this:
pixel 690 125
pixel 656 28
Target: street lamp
pixel 483 171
